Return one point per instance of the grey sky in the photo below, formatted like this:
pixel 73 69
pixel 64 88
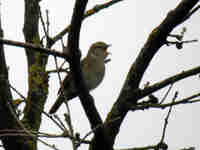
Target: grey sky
pixel 126 26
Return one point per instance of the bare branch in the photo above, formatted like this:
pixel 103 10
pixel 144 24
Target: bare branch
pixel 73 47
pixel 138 93
pixel 166 94
pixel 159 146
pixel 37 48
pixel 43 24
pixel 37 107
pixel 88 13
pixel 100 140
pixel 94 130
pixel 167 118
pixel 60 70
pixel 24 128
pixel 191 12
pixel 130 92
pixel 187 100
pixel 47 22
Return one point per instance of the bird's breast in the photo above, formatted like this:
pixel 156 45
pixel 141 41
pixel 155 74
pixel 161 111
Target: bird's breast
pixel 94 77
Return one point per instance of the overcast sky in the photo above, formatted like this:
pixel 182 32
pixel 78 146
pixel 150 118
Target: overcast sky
pixel 126 26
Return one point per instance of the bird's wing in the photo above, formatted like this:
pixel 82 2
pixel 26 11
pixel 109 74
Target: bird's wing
pixel 67 80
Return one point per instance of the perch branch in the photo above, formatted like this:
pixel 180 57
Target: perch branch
pixel 37 48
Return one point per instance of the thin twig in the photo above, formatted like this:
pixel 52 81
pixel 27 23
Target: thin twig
pixel 187 100
pixel 24 128
pixel 181 42
pixel 60 70
pixel 159 85
pixel 167 118
pixel 71 130
pixel 37 107
pixel 43 24
pixel 47 22
pixel 88 13
pixel 16 132
pixel 166 94
pixel 159 146
pixel 94 129
pixel 59 120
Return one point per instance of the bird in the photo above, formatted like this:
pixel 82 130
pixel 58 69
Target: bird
pixel 93 69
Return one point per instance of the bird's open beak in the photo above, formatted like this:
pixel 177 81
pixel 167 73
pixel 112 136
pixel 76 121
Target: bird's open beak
pixel 109 45
pixel 107 53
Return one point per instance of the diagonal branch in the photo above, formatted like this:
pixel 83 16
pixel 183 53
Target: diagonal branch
pixel 156 40
pixel 167 118
pixel 85 98
pixel 88 13
pixel 138 94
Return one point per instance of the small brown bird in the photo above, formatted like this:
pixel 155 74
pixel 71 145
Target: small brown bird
pixel 93 68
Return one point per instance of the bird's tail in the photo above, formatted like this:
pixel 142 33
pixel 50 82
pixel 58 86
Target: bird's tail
pixel 57 104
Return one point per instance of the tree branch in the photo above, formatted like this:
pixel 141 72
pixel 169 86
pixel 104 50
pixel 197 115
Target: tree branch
pixel 7 119
pixel 37 76
pixel 159 146
pixel 138 93
pixel 34 47
pixel 156 40
pixel 187 100
pixel 88 13
pixel 85 98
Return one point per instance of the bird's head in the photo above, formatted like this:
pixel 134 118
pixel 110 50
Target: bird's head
pixel 98 50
